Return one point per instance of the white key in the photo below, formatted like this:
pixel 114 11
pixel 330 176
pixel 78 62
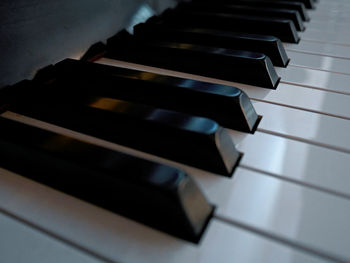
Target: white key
pixel 305 216
pixel 319 62
pixel 338 37
pixel 305 126
pixel 306 164
pixel 315 79
pixel 333 10
pixel 320 101
pixel 338 17
pixel 329 10
pixel 317 48
pixel 333 5
pixel 21 243
pixel 326 26
pixel 121 240
pixel 332 17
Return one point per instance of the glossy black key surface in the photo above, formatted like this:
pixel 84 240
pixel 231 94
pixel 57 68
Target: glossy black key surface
pixel 195 141
pixel 308 3
pixel 227 105
pixel 268 45
pixel 298 6
pixel 239 66
pixel 244 10
pixel 154 194
pixel 284 29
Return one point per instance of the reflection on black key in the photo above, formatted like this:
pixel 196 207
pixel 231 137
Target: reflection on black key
pixel 308 3
pixel 281 28
pixel 227 105
pixel 157 195
pixel 268 45
pixel 195 141
pixel 235 9
pixel 298 6
pixel 239 66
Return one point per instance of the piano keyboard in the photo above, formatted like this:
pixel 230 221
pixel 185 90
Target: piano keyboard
pixel 287 200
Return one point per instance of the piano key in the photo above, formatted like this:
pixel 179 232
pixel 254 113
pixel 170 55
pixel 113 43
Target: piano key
pixel 281 28
pixel 189 139
pixel 216 62
pixel 308 3
pixel 331 9
pixel 326 63
pixel 318 48
pixel 327 27
pixel 310 99
pixel 299 162
pixel 300 7
pixel 26 244
pixel 157 195
pixel 227 105
pixel 307 217
pixel 324 80
pixel 338 17
pixel 311 127
pixel 269 45
pixel 336 104
pixel 333 6
pixel 118 239
pixel 235 9
pixel 338 37
pixel 326 13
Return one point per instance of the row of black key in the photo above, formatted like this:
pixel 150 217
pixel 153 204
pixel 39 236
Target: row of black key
pixel 241 9
pixel 215 62
pixel 188 139
pixel 142 111
pixel 280 3
pixel 204 40
pixel 104 102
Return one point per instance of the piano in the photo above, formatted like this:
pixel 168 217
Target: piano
pixel 288 197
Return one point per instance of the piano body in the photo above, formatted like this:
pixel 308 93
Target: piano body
pixel 287 201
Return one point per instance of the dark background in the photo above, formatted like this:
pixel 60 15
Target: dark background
pixel 35 33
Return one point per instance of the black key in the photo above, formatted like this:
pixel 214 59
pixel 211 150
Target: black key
pixel 308 3
pixel 154 194
pixel 281 28
pixel 268 45
pixel 95 52
pixel 227 105
pixel 195 141
pixel 245 10
pixel 239 66
pixel 298 6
